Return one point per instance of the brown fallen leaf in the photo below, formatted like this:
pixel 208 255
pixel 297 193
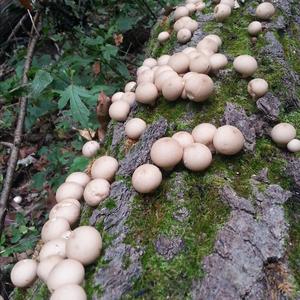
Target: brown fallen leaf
pixel 102 114
pixel 87 133
pixel 96 68
pixel 118 38
pixel 26 4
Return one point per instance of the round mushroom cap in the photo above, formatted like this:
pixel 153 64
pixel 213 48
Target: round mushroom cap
pixel 257 87
pixel 163 60
pixel 150 62
pixel 204 133
pixel 146 178
pixel 245 65
pixel 69 291
pixel 200 6
pixel 185 22
pixel 23 274
pixel 228 140
pixel 228 2
pixel 163 77
pixel 146 93
pixel 79 177
pixel 218 61
pixel 191 7
pixel 199 87
pixel 56 247
pixel 197 157
pixel 179 62
pixel 104 167
pixel 180 11
pixel 117 96
pixel 191 25
pixel 200 64
pixel 195 54
pixel 166 153
pixel 283 133
pixel 129 97
pixel 45 267
pixel 53 229
pixel 69 190
pixel 135 127
pixel 188 50
pixel 66 235
pixel 90 148
pixel 163 36
pixel 208 43
pixel 294 145
pixel 184 35
pixel 162 69
pixel 184 138
pixel 130 86
pixel 84 245
pixel 119 111
pixel 66 210
pixel 142 69
pixel 146 76
pixel 96 191
pixel 215 38
pixel 254 28
pixel 172 88
pixel 68 271
pixel 222 12
pixel 265 11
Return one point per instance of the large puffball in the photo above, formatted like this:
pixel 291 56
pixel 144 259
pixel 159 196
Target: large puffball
pixel 23 274
pixel 200 64
pixel 163 77
pixel 172 88
pixel 179 62
pixel 184 35
pixel 265 11
pixel 208 43
pixel 216 38
pixel 90 149
pixel 283 133
pixel 56 247
pixel 230 3
pixel 147 76
pixel 69 190
pixel 180 11
pixel 78 177
pixel 54 228
pixel 69 292
pixel 222 12
pixel 197 157
pixel 150 62
pixel 117 96
pixel 245 65
pixel 204 133
pixel 257 88
pixel 134 128
pixel 218 61
pixel 255 28
pixel 163 60
pixel 146 93
pixel 46 266
pixel 119 111
pixel 96 191
pixel 129 97
pixel 184 138
pixel 104 167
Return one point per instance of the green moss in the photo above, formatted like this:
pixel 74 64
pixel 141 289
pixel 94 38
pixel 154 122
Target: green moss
pixel 110 203
pixel 38 292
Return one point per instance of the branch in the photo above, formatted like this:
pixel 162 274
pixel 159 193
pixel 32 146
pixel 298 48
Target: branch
pixel 19 129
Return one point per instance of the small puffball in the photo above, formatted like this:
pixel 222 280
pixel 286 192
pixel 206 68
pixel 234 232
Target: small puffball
pixel 117 96
pixel 215 38
pixel 46 266
pixel 163 77
pixel 208 43
pixel 195 54
pixel 69 291
pixel 119 111
pixel 146 178
pixel 265 11
pixel 104 167
pixel 257 88
pixel 172 88
pixel 134 128
pixel 183 138
pixel 180 11
pixel 147 76
pixel 17 199
pixel 191 8
pixel 255 28
pixel 228 140
pixel 204 133
pixel 163 37
pixel 146 93
pixel 200 6
pixel 163 60
pixel 78 177
pixel 228 2
pixel 90 149
pixel 23 274
pixel 69 190
pixel 129 97
pixel 185 22
pixel 222 12
pixel 142 69
pixel 130 86
pixel 189 50
pixel 53 229
pixel 218 61
pixel 84 245
pixel 150 62
pixel 200 64
pixel 96 191
pixel 184 35
pixel 294 145
pixel 197 157
pixel 162 69
pixel 179 62
pixel 56 247
pixel 283 133
pixel 245 65
pixel 68 271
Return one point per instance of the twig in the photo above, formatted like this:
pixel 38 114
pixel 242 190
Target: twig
pixel 19 129
pixel 6 144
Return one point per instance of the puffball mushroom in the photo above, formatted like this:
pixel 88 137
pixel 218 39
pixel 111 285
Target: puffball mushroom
pixel 146 93
pixel 119 111
pixel 146 178
pixel 179 62
pixel 215 38
pixel 230 3
pixel 117 96
pixel 172 88
pixel 294 145
pixel 46 266
pixel 23 274
pixel 129 97
pixel 163 77
pixel 265 11
pixel 208 43
pixel 130 86
pixel 166 153
pixel 188 50
pixel 184 35
pixel 147 76
pixel 183 138
pixel 163 37
pixel 84 245
pixel 185 22
pixel 199 87
pixel 255 28
pixel 222 12
pixel 197 157
pixel 150 62
pixel 191 8
pixel 96 191
pixel 162 69
pixel 246 65
pixel 53 229
pixel 204 133
pixel 218 61
pixel 163 60
pixel 228 140
pixel 66 210
pixel 68 271
pixel 56 247
pixel 104 167
pixel 69 291
pixel 69 190
pixel 78 177
pixel 257 88
pixel 90 148
pixel 180 11
pixel 200 64
pixel 142 69
pixel 134 128
pixel 283 133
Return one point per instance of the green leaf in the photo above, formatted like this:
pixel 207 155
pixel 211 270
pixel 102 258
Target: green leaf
pixel 79 164
pixel 41 80
pixel 109 51
pixel 125 23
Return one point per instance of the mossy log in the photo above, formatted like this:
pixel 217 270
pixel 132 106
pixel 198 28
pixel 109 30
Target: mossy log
pixel 233 231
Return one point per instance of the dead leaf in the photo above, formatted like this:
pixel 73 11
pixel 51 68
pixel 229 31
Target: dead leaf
pixel 96 68
pixel 41 163
pixel 102 114
pixel 87 134
pixel 25 151
pixel 26 4
pixel 118 38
